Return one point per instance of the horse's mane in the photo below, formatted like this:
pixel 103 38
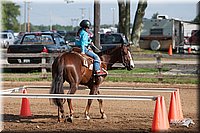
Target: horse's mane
pixel 108 51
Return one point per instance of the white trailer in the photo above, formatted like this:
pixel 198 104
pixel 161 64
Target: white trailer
pixel 160 33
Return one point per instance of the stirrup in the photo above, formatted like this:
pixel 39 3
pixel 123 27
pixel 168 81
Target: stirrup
pixel 101 73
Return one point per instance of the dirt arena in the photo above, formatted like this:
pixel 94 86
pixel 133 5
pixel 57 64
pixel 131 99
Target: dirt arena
pixel 122 116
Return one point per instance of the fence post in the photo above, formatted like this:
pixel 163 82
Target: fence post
pixel 159 66
pixel 44 69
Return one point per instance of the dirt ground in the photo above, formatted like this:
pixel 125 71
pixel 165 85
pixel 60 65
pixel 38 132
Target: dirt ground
pixel 122 116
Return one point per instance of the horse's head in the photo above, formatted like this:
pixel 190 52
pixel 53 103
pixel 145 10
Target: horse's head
pixel 126 57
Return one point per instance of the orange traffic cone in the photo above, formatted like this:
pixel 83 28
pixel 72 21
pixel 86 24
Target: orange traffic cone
pixel 160 122
pixel 189 50
pixel 178 105
pixel 173 116
pixel 170 50
pixel 25 107
pixel 164 114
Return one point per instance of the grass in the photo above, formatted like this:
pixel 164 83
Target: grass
pixel 119 75
pixel 137 70
pixel 153 80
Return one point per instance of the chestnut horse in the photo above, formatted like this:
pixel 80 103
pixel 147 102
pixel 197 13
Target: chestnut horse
pixel 69 67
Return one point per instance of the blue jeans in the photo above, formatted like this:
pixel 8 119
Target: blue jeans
pixel 95 57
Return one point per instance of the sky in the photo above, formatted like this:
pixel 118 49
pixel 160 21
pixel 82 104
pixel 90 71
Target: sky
pixel 47 12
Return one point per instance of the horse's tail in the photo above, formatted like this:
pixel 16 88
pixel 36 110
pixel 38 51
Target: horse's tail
pixel 57 80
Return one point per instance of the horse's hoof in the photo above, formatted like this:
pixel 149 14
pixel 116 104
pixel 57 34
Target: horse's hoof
pixel 103 116
pixel 70 119
pixel 87 117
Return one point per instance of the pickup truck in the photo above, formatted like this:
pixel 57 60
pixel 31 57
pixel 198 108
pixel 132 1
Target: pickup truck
pixel 110 40
pixel 37 42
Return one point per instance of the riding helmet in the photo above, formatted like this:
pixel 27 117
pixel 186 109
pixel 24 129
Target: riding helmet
pixel 85 24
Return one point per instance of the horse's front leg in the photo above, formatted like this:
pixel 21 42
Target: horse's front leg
pixel 103 115
pixel 92 92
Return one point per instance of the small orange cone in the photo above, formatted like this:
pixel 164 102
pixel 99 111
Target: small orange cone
pixel 160 121
pixel 25 107
pixel 170 50
pixel 173 116
pixel 189 50
pixel 178 105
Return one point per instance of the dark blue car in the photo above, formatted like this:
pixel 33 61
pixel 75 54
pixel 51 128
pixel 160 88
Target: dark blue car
pixel 37 42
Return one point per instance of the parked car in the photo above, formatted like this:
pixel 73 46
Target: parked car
pixel 7 39
pixel 10 31
pixel 62 33
pixel 195 37
pixel 70 37
pixel 37 42
pixel 192 42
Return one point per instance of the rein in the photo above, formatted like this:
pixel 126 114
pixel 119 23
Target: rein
pixel 109 52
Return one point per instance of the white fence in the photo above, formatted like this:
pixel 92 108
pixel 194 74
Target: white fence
pixel 11 93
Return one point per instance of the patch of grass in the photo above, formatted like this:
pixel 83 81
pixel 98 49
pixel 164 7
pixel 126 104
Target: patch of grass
pixel 153 80
pixel 137 70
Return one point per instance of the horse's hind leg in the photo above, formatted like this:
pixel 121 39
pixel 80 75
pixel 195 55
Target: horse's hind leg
pixel 73 88
pixel 103 115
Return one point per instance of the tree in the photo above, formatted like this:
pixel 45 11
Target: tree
pixel 137 26
pixel 197 19
pixel 124 17
pixel 10 12
pixel 154 16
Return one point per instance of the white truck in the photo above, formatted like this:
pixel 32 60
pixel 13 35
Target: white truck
pixel 6 39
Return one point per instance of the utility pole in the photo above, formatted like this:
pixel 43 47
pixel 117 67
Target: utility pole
pixel 89 14
pixel 97 24
pixel 29 16
pixel 69 1
pixel 20 20
pixel 24 16
pixel 82 13
pixel 113 10
pixel 50 28
pixel 74 20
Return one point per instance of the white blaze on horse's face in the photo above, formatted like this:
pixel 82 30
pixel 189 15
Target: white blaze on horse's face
pixel 131 60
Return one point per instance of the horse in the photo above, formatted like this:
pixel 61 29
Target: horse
pixel 70 67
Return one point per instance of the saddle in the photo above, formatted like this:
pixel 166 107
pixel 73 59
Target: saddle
pixel 87 60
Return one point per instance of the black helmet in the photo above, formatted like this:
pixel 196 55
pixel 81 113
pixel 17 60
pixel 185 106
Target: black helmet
pixel 85 24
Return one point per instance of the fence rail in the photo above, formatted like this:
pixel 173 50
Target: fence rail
pixel 44 65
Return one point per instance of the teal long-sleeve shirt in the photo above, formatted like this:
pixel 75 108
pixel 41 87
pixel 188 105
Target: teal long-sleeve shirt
pixel 83 40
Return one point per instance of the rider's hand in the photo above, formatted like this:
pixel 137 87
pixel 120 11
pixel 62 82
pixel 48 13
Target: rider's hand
pixel 82 53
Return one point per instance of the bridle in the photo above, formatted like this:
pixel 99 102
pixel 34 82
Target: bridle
pixel 123 56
